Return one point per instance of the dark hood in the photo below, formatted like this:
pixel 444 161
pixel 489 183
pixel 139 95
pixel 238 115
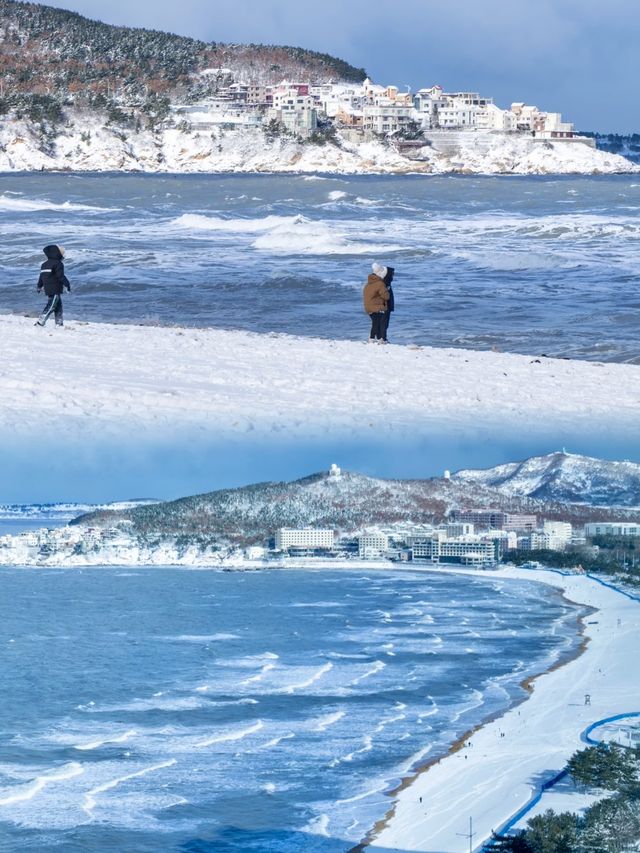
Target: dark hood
pixel 53 252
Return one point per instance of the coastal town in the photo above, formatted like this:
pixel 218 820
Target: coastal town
pixel 478 538
pixel 472 538
pixel 360 112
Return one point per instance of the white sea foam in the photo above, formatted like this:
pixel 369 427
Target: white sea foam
pixel 323 723
pixel 318 826
pixel 28 205
pixel 202 638
pixel 411 762
pixel 199 222
pixel 265 669
pixel 276 740
pixel 225 737
pixel 20 793
pixel 317 675
pixel 367 746
pixel 377 667
pixel 157 703
pixel 368 202
pixel 362 796
pixel 306 237
pixel 395 718
pixel 90 802
pixel 96 744
pixel 475 700
pixel 248 662
pixel 336 195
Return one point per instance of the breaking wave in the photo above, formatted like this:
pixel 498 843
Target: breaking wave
pixel 27 205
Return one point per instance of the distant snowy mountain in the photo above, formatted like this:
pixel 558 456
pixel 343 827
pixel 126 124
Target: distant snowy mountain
pixel 345 502
pixel 563 478
pixel 559 486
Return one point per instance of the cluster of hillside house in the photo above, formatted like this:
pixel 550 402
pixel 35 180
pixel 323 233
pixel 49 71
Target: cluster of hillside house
pixel 361 111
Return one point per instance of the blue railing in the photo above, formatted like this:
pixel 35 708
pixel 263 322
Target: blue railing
pixel 585 736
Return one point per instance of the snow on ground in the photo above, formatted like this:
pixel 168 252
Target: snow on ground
pixel 504 763
pixel 138 382
pixel 88 144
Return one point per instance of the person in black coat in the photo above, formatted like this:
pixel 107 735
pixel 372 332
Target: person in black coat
pixel 53 281
pixel 390 304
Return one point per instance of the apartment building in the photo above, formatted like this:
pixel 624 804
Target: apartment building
pixel 305 537
pixel 612 528
pixel 372 545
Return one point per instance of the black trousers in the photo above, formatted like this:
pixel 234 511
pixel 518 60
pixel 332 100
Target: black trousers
pixel 53 306
pixel 385 324
pixel 378 328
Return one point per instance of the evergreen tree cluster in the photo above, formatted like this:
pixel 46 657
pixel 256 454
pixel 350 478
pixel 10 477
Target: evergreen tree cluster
pixel 611 825
pixel 608 562
pixel 69 59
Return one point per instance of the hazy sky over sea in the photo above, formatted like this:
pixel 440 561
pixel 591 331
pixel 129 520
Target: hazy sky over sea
pixel 578 57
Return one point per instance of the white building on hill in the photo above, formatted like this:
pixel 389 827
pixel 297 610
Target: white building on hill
pixel 305 537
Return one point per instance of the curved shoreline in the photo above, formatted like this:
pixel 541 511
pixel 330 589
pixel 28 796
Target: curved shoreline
pixel 527 684
pixel 497 778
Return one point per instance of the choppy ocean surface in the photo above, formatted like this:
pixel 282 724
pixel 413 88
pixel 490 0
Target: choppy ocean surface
pixel 148 710
pixel 526 264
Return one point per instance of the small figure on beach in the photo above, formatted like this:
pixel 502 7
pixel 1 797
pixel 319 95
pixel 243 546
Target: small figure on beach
pixel 53 281
pixel 390 304
pixel 375 297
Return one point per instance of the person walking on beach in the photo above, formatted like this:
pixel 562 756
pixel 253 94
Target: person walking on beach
pixel 53 281
pixel 390 304
pixel 375 297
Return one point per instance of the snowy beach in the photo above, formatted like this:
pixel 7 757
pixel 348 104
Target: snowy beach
pixel 502 765
pixel 133 380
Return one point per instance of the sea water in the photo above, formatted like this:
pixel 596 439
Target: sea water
pixel 175 710
pixel 540 265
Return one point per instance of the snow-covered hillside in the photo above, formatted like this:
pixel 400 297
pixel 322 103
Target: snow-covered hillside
pixel 351 501
pixel 345 503
pixel 86 144
pixel 563 477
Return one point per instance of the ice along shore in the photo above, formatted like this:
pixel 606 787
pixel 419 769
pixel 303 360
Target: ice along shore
pixel 500 767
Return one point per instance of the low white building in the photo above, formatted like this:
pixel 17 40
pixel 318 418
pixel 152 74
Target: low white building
pixel 387 118
pixel 612 528
pixel 372 545
pixel 467 551
pixel 305 537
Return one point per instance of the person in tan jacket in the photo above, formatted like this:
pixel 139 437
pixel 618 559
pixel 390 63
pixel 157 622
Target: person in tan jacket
pixel 375 297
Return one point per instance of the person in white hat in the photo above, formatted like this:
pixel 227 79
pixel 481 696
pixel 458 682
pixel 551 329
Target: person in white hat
pixel 375 297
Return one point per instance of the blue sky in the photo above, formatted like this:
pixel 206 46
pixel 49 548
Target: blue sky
pixel 97 470
pixel 579 57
